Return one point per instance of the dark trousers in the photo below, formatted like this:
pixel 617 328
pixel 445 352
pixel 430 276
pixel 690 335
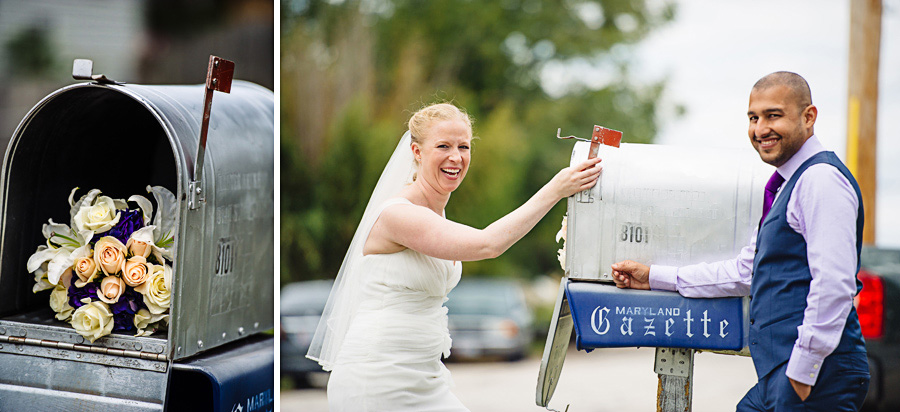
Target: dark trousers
pixel 841 386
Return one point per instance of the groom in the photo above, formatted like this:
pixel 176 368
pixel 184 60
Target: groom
pixel 799 268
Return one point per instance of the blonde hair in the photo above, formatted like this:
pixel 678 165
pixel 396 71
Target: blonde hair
pixel 422 120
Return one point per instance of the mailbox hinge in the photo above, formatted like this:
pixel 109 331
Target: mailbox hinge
pixel 83 69
pixel 160 357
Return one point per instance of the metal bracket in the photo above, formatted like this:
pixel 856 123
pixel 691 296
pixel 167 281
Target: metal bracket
pixel 218 78
pixel 674 361
pixel 600 135
pixel 196 195
pixel 83 69
pixel 585 196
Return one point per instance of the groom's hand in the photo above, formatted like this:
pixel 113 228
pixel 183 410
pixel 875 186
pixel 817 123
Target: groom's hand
pixel 803 390
pixel 631 274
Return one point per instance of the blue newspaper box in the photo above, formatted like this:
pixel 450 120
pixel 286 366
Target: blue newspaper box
pixel 605 316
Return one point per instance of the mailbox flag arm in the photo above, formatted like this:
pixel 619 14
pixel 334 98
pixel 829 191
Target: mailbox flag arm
pixel 218 78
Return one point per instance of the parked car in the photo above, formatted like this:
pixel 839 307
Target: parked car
pixel 301 307
pixel 489 318
pixel 878 306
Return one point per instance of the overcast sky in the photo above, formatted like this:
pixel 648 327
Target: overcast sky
pixel 714 51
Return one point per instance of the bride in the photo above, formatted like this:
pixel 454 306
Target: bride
pixel 384 328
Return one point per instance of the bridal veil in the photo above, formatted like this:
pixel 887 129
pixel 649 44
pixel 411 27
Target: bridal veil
pixel 344 299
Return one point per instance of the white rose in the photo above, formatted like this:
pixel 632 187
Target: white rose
pixel 59 302
pixel 157 295
pixel 97 214
pixel 143 319
pixel 93 320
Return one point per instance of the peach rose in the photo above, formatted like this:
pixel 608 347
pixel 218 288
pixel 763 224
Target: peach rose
pixel 109 254
pixel 111 288
pixel 136 271
pixel 138 248
pixel 86 269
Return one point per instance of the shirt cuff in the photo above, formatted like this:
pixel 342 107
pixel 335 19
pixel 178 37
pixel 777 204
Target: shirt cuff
pixel 663 278
pixel 804 367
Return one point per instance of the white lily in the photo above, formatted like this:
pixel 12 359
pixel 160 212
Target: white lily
pixel 145 206
pixel 40 279
pixel 147 235
pixel 63 245
pixel 164 221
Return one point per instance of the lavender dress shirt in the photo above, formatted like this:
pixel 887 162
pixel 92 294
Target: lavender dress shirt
pixel 822 209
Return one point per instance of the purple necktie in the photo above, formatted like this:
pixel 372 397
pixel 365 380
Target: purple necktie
pixel 771 188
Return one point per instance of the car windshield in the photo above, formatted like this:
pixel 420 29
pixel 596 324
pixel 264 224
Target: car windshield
pixel 476 305
pixel 476 298
pixel 305 298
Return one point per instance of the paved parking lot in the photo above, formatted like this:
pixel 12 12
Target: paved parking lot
pixel 613 380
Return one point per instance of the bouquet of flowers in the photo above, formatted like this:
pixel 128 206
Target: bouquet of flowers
pixel 110 268
pixel 561 235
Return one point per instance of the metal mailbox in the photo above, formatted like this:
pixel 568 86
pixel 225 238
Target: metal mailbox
pixel 656 205
pixel 223 284
pixel 664 205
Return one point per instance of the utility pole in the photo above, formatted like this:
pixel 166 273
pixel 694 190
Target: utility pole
pixel 862 103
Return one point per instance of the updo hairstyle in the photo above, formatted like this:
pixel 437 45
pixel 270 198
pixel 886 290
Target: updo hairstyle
pixel 421 121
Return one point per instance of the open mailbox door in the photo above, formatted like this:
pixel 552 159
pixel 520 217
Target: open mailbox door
pixel 656 205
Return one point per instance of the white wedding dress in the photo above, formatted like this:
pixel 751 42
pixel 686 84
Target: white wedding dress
pixel 390 357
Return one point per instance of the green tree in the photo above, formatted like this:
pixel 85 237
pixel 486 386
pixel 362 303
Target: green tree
pixel 353 72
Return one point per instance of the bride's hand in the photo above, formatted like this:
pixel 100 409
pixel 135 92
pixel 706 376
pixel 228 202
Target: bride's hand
pixel 574 179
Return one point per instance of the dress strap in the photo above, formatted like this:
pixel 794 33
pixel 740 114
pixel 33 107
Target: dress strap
pixel 394 201
pixel 387 203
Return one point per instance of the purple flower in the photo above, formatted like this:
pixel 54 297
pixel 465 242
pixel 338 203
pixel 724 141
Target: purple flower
pixel 123 322
pixel 76 294
pixel 129 221
pixel 123 311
